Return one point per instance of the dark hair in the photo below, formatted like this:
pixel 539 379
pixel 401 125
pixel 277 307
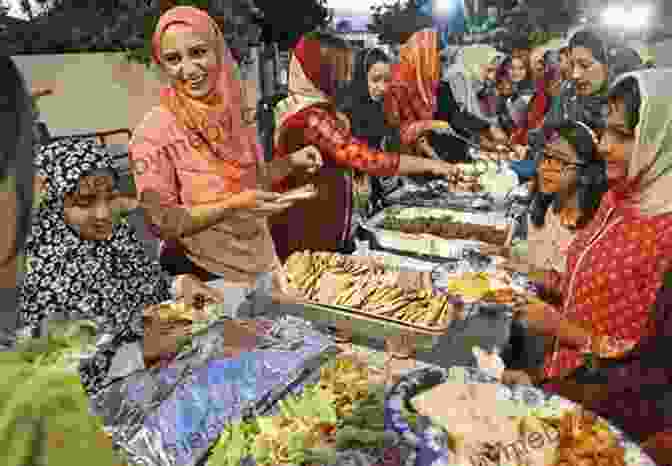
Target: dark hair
pixel 328 40
pixel 16 153
pixel 520 43
pixel 592 41
pixel 365 60
pixel 503 72
pixel 628 90
pixel 591 183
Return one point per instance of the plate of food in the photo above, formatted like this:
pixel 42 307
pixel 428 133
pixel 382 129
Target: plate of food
pixel 498 287
pixel 462 416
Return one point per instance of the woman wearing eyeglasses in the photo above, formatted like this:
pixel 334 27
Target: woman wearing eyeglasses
pixel 616 263
pixel 571 181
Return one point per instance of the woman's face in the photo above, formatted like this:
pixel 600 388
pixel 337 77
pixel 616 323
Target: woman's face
pixel 589 74
pixel 537 63
pixel 504 88
pixel 617 142
pixel 518 70
pixel 89 211
pixel 522 54
pixel 557 172
pixel 378 78
pixel 190 61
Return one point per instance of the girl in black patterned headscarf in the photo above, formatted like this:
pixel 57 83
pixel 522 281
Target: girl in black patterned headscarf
pixel 82 263
pixel 93 271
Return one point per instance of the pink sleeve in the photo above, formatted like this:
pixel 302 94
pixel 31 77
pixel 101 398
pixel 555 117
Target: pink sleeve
pixel 153 169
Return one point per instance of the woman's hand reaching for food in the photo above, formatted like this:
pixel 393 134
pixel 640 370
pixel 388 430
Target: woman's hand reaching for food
pixel 518 267
pixel 309 159
pixel 493 250
pixel 514 377
pixel 192 290
pixel 498 135
pixel 519 152
pixel 425 148
pixel 443 169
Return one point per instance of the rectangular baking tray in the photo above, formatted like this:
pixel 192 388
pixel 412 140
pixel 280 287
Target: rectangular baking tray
pixel 429 245
pixel 367 326
pixel 457 200
pixel 386 326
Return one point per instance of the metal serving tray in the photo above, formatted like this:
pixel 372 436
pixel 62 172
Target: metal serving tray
pixel 428 245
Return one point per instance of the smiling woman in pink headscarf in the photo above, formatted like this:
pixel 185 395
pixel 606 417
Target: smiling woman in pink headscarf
pixel 198 151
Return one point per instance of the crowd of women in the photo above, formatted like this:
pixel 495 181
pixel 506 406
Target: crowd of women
pixel 589 129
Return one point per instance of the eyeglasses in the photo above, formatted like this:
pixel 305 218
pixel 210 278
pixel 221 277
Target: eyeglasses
pixel 550 154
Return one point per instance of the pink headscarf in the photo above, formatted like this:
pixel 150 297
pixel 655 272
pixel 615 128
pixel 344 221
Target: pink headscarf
pixel 218 119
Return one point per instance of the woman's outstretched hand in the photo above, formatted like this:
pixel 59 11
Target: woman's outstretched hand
pixel 514 377
pixel 444 169
pixel 309 159
pixel 190 288
pixel 519 267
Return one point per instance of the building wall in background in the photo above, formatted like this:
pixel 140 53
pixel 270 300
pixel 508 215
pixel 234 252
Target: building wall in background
pixel 96 91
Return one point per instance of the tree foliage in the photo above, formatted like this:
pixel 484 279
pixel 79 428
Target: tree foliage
pixel 286 27
pixel 127 25
pixel 395 22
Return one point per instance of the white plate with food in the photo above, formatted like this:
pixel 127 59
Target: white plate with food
pixel 462 416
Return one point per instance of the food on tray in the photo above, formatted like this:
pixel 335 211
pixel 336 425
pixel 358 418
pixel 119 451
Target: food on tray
pixel 364 284
pixel 470 285
pixel 485 428
pixel 342 411
pixel 503 296
pixel 465 181
pixel 586 440
pixel 445 225
pixel 345 381
pixel 482 425
pixel 306 422
pixel 496 288
pixel 177 311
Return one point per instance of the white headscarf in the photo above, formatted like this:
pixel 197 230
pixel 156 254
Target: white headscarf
pixel 651 161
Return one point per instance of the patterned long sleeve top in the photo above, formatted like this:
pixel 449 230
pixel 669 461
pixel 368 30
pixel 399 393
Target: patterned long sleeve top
pixel 615 266
pixel 405 109
pixel 321 129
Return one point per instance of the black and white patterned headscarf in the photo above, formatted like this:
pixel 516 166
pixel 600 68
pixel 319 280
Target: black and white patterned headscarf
pixel 109 281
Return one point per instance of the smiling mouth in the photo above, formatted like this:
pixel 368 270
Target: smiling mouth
pixel 102 228
pixel 196 82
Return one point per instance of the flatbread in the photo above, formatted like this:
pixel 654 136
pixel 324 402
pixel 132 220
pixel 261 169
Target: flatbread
pixel 471 415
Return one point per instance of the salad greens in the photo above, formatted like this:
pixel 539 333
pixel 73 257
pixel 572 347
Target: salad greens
pixel 306 431
pixel 47 420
